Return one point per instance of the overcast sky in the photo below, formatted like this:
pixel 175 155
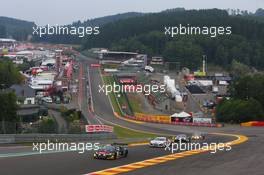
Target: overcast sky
pixel 66 11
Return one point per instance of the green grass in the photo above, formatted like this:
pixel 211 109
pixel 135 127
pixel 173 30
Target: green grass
pixel 122 132
pixel 109 80
pixel 127 133
pixel 135 103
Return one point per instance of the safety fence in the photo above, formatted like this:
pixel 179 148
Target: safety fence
pixel 22 138
pixel 253 123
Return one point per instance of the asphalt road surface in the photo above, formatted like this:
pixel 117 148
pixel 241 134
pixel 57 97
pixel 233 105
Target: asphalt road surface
pixel 69 163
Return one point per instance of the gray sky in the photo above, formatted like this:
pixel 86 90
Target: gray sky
pixel 66 11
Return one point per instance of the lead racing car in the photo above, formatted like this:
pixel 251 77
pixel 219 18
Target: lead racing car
pixel 113 151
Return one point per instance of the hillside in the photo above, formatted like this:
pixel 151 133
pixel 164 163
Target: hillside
pixel 146 34
pixel 15 28
pixel 91 22
pixel 107 19
pixel 259 12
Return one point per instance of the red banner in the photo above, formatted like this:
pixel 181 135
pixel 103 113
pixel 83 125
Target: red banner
pixel 98 128
pixel 95 65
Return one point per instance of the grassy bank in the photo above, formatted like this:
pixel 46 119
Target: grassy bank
pixel 127 133
pixel 122 132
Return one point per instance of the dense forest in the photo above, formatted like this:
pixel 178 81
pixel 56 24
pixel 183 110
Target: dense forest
pixel 73 39
pixel 15 28
pixel 247 102
pixel 9 75
pixel 146 34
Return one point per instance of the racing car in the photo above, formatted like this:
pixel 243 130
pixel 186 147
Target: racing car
pixel 181 138
pixel 112 151
pixel 198 136
pixel 159 142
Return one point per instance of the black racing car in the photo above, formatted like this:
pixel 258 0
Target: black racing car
pixel 111 152
pixel 181 138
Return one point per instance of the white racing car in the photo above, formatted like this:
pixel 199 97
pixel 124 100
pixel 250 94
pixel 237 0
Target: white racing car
pixel 159 142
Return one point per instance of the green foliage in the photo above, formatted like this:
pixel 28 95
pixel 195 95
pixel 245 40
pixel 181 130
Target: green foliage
pixel 238 111
pixel 186 52
pixel 8 107
pixel 26 65
pixel 92 22
pixel 247 103
pixel 70 115
pixel 2 31
pixel 8 115
pixel 249 86
pixel 16 28
pixel 47 125
pixel 75 127
pixel 189 49
pixel 9 74
pixel 239 69
pixel 146 34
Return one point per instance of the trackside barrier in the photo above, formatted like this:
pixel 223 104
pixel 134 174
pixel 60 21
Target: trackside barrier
pixel 18 138
pixel 95 65
pixel 98 128
pixel 164 119
pixel 218 125
pixel 153 118
pixel 253 123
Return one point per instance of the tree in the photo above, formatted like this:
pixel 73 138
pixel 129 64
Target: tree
pixel 8 108
pixel 239 69
pixel 47 125
pixel 247 102
pixel 2 31
pixel 9 74
pixel 249 87
pixel 186 52
pixel 238 111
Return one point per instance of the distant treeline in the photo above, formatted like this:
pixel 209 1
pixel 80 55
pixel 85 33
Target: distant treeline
pixel 146 34
pixel 246 104
pixel 15 28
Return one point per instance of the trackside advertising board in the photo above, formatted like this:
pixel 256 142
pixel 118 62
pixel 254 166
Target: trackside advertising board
pixel 98 128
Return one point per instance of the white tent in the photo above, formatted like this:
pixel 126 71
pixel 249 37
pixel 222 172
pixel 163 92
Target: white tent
pixel 181 115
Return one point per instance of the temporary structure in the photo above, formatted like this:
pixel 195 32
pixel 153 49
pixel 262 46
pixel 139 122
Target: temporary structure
pixel 181 115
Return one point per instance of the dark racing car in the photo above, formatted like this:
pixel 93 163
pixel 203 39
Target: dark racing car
pixel 181 138
pixel 113 151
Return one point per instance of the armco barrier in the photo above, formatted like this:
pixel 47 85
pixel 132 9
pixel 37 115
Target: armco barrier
pixel 153 118
pixel 164 119
pixel 253 123
pixel 18 138
pixel 258 124
pixel 198 124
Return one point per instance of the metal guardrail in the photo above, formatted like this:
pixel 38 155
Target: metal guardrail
pixel 22 138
